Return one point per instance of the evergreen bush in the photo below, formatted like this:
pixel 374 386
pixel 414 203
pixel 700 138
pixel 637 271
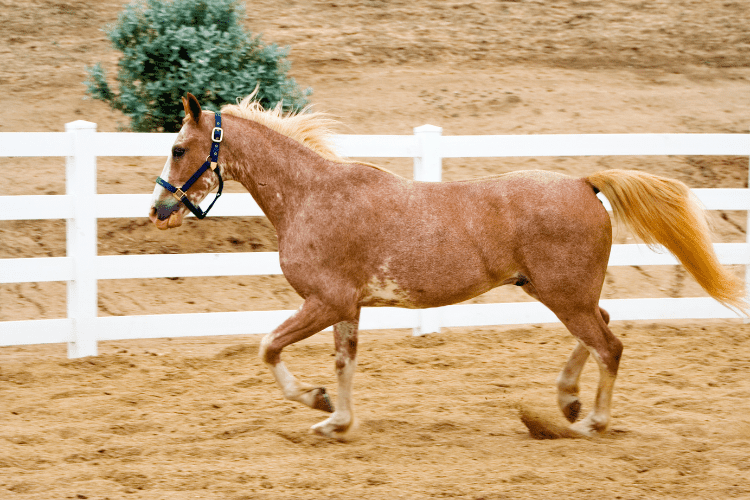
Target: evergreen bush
pixel 171 47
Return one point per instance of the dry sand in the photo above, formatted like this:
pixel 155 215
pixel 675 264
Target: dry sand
pixel 201 418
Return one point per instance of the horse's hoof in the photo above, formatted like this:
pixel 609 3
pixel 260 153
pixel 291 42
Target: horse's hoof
pixel 338 432
pixel 321 400
pixel 583 430
pixel 589 428
pixel 572 411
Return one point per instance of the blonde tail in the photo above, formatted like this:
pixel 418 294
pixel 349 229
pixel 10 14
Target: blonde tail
pixel 661 211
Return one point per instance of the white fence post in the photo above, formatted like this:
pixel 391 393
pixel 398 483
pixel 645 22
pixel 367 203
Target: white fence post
pixel 80 173
pixel 428 166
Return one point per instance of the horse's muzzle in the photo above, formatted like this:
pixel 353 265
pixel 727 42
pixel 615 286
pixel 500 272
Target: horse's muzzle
pixel 165 220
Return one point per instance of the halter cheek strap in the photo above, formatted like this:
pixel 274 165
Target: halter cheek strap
pixel 217 135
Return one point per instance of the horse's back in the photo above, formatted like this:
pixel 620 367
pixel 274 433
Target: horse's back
pixel 520 208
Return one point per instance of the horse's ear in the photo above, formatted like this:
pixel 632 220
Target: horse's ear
pixel 185 106
pixel 192 107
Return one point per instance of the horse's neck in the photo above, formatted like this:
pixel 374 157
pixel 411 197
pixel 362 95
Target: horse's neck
pixel 277 171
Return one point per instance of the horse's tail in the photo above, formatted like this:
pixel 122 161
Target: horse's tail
pixel 662 211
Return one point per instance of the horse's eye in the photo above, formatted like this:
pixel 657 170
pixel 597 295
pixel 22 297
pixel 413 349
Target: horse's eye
pixel 177 152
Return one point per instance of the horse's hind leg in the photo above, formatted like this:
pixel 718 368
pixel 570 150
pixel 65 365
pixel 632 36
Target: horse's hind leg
pixel 567 381
pixel 312 317
pixel 342 423
pixel 594 335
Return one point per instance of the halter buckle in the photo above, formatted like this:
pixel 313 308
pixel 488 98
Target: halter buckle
pixel 221 134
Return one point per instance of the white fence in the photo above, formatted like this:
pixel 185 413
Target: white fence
pixel 81 206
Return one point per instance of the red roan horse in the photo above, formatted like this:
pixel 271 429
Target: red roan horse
pixel 353 234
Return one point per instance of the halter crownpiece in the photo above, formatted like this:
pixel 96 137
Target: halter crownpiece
pixel 217 135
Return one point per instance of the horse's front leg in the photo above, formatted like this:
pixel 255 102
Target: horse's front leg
pixel 342 424
pixel 312 317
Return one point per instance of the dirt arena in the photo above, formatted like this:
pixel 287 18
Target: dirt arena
pixel 202 419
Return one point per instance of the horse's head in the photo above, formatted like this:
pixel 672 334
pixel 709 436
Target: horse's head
pixel 192 148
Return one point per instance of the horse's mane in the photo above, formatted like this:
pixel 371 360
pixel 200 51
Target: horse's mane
pixel 310 129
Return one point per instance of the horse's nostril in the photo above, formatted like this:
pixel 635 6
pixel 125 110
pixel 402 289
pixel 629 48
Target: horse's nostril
pixel 163 212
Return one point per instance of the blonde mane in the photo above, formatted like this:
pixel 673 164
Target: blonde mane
pixel 312 130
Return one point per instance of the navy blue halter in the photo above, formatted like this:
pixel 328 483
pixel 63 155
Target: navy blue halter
pixel 217 135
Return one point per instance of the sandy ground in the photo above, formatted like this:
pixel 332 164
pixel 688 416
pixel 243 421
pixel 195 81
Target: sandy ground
pixel 201 418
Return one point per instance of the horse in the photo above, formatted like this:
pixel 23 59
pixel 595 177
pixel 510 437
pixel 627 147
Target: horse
pixel 354 235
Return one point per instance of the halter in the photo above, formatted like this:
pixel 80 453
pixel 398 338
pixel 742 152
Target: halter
pixel 217 135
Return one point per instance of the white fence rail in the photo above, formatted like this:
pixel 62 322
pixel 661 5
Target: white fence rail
pixel 82 268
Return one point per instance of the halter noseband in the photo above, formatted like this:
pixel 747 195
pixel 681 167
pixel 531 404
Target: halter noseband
pixel 217 135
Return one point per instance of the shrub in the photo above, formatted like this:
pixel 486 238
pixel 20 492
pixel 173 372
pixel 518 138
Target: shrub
pixel 171 47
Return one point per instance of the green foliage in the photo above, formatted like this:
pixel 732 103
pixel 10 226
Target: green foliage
pixel 171 47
